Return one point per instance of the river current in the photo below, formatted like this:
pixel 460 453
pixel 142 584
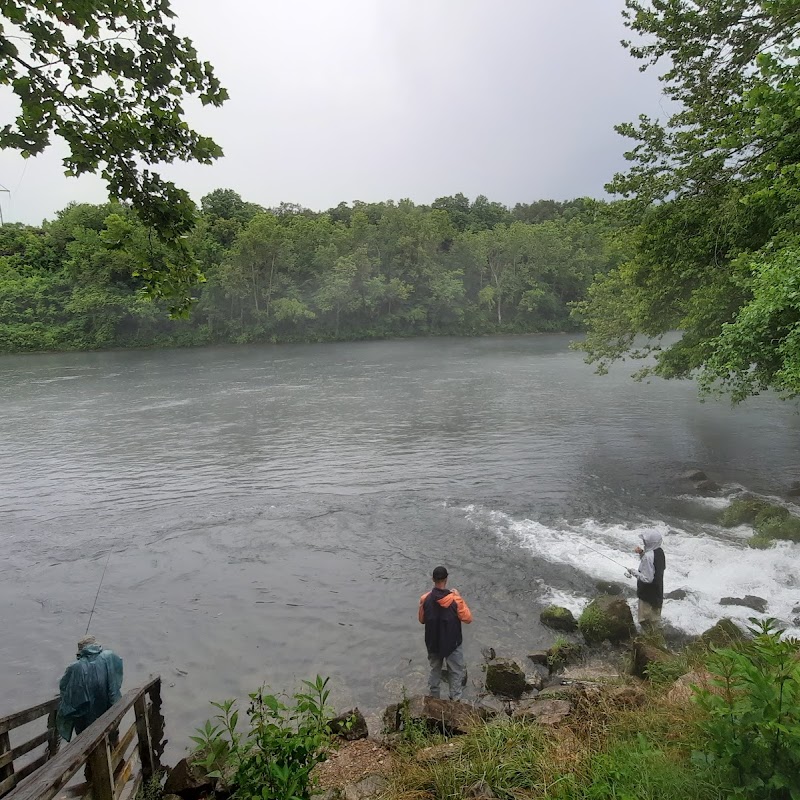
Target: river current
pixel 269 513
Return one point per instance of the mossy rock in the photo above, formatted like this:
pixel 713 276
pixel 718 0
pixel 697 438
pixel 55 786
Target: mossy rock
pixel 724 634
pixel 506 678
pixel 563 653
pixel 606 618
pixel 559 619
pixel 743 512
pixel 776 526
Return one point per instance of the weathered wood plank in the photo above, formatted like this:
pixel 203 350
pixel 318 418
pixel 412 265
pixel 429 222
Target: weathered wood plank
pixel 7 785
pixel 29 769
pixel 54 742
pixel 124 743
pixel 102 773
pixel 145 743
pixel 7 769
pixel 28 715
pixel 130 792
pixel 125 774
pixel 21 749
pixel 56 773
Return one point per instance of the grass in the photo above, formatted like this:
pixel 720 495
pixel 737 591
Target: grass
pixel 604 752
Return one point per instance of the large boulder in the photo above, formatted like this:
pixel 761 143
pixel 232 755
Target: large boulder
pixel 793 490
pixel 758 604
pixel 559 619
pixel 676 594
pixel 188 781
pixel 645 654
pixel 695 475
pixel 541 657
pixel 506 678
pixel 350 726
pixel 366 788
pixel 451 717
pixel 545 712
pixel 708 488
pixel 724 634
pixel 607 617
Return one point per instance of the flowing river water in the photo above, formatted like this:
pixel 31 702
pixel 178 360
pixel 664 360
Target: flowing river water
pixel 274 512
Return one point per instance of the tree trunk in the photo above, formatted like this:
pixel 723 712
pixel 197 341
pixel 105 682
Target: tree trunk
pixel 255 286
pixel 269 290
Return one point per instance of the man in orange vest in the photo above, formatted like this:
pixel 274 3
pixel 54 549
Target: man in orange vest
pixel 442 611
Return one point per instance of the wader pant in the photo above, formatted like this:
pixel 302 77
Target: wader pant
pixel 456 673
pixel 649 615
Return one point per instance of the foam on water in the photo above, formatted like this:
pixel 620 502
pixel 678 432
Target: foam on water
pixel 709 563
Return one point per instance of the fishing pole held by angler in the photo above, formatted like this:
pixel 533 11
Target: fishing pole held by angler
pixel 94 605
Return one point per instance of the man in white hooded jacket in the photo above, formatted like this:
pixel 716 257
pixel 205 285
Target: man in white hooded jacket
pixel 650 579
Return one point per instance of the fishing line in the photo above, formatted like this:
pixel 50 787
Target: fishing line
pixel 98 592
pixel 627 569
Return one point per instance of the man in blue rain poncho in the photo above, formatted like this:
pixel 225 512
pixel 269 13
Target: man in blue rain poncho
pixel 90 686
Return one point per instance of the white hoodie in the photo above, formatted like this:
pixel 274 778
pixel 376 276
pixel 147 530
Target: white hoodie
pixel 647 569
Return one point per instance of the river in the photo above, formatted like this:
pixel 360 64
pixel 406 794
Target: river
pixel 273 512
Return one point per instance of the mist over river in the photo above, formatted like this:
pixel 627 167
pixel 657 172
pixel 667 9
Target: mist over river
pixel 274 512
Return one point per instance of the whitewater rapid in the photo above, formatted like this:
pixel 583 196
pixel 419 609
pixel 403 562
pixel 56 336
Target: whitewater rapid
pixel 707 561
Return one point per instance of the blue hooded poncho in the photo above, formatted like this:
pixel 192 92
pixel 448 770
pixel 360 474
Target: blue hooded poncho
pixel 90 686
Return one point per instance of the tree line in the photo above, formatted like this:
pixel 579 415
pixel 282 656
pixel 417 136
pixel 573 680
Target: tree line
pixel 288 274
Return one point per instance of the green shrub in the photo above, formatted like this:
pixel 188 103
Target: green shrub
pixel 274 758
pixel 753 723
pixel 665 673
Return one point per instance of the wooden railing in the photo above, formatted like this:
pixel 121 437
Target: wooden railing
pixel 10 773
pixel 115 765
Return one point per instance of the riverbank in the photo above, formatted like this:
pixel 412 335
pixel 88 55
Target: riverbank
pixel 631 720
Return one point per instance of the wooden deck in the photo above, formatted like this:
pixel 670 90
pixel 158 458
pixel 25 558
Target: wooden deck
pixel 121 750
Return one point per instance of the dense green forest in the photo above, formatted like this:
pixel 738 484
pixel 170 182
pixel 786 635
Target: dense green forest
pixel 364 270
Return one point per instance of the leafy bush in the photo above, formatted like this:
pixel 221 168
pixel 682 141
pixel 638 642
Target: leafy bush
pixel 593 624
pixel 753 723
pixel 273 760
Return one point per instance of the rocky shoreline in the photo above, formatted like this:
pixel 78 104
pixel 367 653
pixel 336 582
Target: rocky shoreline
pixel 607 664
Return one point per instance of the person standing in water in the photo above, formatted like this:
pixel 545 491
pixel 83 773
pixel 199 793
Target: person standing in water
pixel 442 611
pixel 650 579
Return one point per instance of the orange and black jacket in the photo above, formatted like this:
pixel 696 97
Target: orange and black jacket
pixel 442 611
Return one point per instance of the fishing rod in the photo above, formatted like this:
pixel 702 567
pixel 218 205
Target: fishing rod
pixel 627 569
pixel 98 593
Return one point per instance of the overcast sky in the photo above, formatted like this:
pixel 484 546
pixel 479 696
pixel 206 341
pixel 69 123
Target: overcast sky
pixel 337 100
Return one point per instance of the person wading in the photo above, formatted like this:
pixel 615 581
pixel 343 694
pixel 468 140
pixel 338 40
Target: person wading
pixel 650 579
pixel 442 611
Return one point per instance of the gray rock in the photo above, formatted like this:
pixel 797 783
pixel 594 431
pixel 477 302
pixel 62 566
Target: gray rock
pixel 545 712
pixel 491 706
pixel 676 594
pixel 366 788
pixel 445 716
pixel 350 726
pixel 708 487
pixel 608 587
pixel 480 791
pixel 488 653
pixel 506 678
pixel 793 490
pixel 540 657
pixel 188 781
pixel 534 681
pixel 723 634
pixel 758 604
pixel 695 475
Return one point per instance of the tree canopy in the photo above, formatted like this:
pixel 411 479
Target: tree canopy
pixel 110 78
pixel 717 254
pixel 360 270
